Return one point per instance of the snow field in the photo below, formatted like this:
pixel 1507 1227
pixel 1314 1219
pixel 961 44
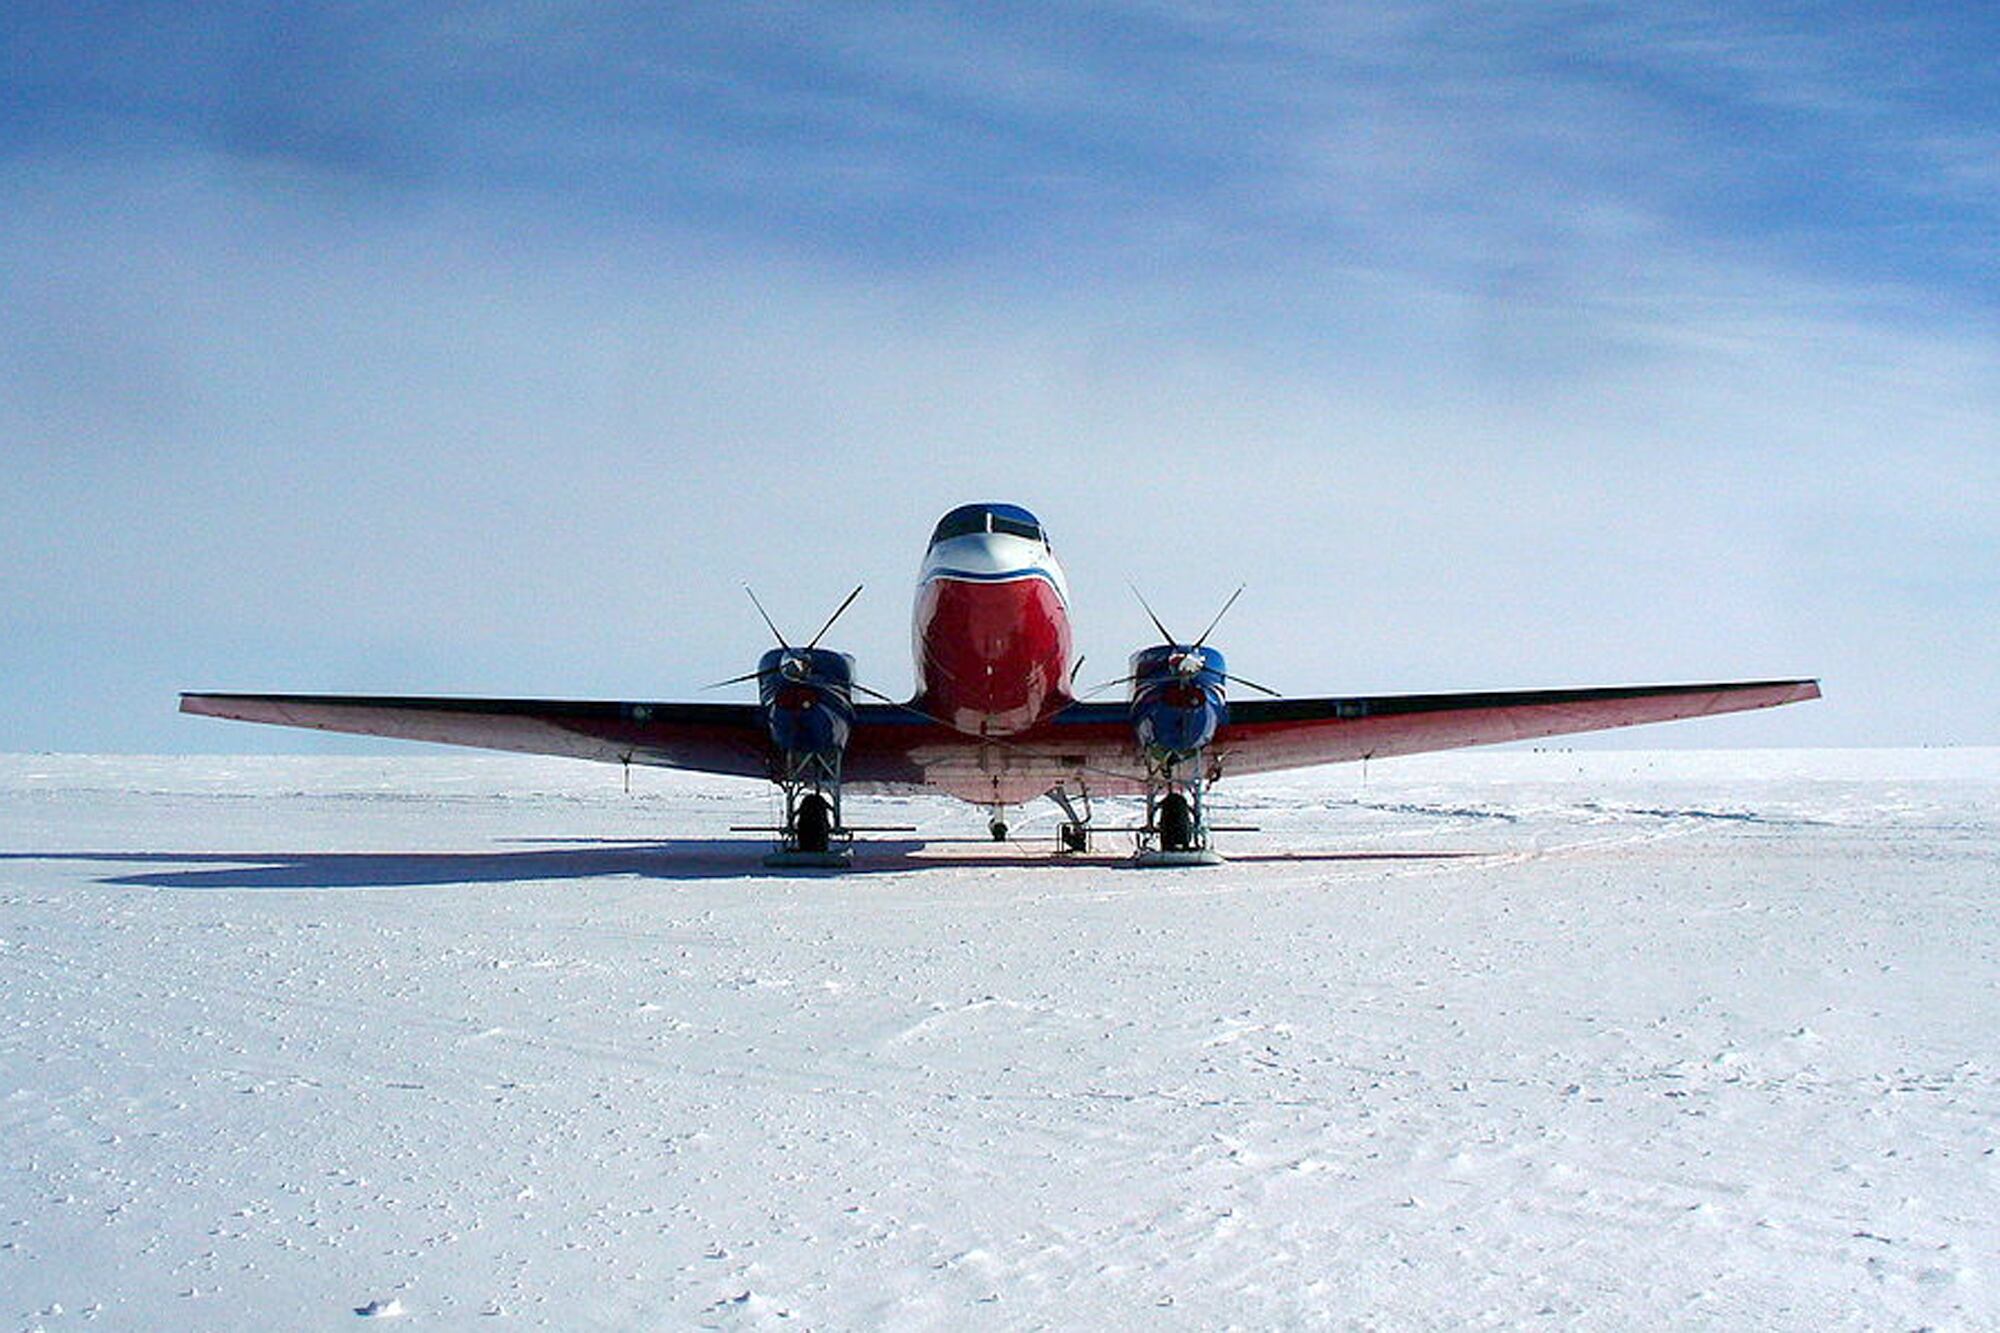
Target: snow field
pixel 1477 1040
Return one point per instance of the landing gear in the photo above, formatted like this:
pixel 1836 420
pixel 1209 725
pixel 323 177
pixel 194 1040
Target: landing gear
pixel 1073 834
pixel 812 835
pixel 996 827
pixel 1176 832
pixel 1176 823
pixel 814 823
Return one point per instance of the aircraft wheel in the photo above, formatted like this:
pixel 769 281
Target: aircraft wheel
pixel 1074 837
pixel 1176 823
pixel 998 828
pixel 815 823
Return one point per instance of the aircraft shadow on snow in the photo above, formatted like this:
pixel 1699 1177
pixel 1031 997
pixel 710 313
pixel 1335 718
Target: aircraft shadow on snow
pixel 587 859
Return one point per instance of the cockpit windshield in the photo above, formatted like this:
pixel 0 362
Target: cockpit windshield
pixel 968 519
pixel 1002 523
pixel 960 523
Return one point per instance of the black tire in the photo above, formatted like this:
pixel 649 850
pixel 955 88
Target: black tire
pixel 815 823
pixel 1075 837
pixel 1176 823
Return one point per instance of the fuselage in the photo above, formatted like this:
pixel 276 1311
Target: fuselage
pixel 991 623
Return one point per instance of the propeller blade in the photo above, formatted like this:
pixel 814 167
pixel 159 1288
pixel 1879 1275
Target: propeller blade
pixel 1219 615
pixel 737 680
pixel 838 611
pixel 1262 689
pixel 1149 613
pixel 879 697
pixel 772 624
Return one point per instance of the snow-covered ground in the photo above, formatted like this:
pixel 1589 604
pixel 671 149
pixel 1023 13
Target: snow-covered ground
pixel 1488 1039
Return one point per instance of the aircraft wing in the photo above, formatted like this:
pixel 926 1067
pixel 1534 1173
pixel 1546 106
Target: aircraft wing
pixel 1263 735
pixel 710 738
pixel 894 746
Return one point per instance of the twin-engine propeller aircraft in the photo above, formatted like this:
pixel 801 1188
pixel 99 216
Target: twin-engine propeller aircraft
pixel 994 720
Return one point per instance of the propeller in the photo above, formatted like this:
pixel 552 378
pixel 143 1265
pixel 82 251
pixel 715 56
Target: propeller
pixel 1191 662
pixel 1219 615
pixel 796 664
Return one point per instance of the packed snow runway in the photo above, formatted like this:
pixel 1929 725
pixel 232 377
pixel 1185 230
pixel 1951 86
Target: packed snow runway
pixel 1591 1039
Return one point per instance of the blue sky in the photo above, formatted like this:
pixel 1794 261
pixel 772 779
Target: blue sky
pixel 488 348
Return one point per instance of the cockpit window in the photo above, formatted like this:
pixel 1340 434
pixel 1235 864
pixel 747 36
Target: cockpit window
pixel 960 523
pixel 1014 526
pixel 968 519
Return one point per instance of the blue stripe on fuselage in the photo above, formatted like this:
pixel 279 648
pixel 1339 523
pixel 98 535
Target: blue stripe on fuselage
pixel 1004 576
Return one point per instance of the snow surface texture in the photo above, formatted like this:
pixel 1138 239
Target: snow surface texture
pixel 1479 1040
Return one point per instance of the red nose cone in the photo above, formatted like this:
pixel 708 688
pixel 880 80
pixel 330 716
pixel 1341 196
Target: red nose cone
pixel 992 657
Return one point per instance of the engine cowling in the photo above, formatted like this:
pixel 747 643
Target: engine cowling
pixel 1178 699
pixel 807 695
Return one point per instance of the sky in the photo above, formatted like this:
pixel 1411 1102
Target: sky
pixel 490 348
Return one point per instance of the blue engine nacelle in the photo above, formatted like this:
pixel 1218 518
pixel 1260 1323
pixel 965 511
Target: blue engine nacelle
pixel 1177 698
pixel 808 699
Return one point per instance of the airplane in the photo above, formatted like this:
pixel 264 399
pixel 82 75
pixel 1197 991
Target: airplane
pixel 996 720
